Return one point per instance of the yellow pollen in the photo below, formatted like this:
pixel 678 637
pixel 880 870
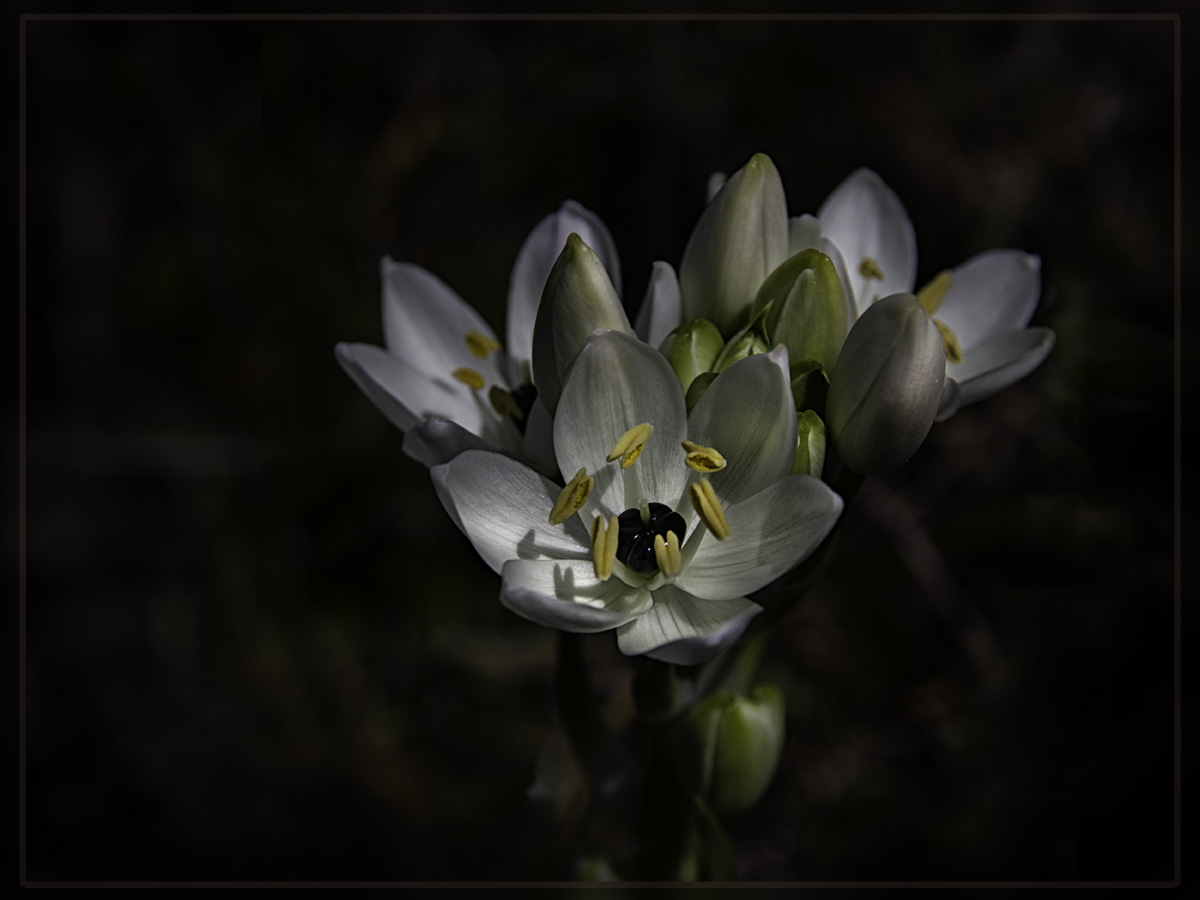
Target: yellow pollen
pixel 932 295
pixel 954 352
pixel 604 546
pixel 469 377
pixel 708 507
pixel 629 445
pixel 703 459
pixel 503 402
pixel 868 268
pixel 573 496
pixel 481 345
pixel 668 555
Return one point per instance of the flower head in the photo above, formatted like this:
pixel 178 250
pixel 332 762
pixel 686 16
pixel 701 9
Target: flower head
pixel 443 376
pixel 982 308
pixel 670 518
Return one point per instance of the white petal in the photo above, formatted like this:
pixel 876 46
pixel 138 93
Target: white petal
pixel 616 383
pixel 803 232
pixel 1001 362
pixel 686 630
pixel 748 414
pixel 660 313
pixel 713 186
pixel 950 402
pixel 566 594
pixel 426 324
pixel 503 506
pixel 436 441
pixel 866 220
pixel 769 534
pixel 407 395
pixel 537 446
pixel 990 294
pixel 534 262
pixel 437 474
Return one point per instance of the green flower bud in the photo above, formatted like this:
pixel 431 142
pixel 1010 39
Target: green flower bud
pixel 808 310
pixel 692 348
pixel 741 237
pixel 578 299
pixel 810 385
pixel 729 746
pixel 885 388
pixel 810 444
pixel 747 342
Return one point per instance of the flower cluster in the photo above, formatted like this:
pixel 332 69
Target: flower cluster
pixel 647 477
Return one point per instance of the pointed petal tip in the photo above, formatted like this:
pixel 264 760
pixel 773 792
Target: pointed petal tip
pixel 760 160
pixel 779 356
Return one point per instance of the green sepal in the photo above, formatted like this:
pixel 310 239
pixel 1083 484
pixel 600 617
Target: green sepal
pixel 691 349
pixel 810 444
pixel 806 307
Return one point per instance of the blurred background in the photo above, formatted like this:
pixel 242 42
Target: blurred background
pixel 257 649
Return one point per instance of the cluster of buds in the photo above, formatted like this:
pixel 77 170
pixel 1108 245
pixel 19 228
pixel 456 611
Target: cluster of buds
pixel 874 362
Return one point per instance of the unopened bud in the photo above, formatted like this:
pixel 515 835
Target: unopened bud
pixel 691 349
pixel 578 299
pixel 729 747
pixel 885 388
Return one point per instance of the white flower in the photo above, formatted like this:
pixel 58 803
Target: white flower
pixel 443 377
pixel 627 543
pixel 982 307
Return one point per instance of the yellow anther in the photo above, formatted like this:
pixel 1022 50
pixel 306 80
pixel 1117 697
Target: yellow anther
pixel 503 402
pixel 708 507
pixel 668 555
pixel 481 345
pixel 703 459
pixel 868 268
pixel 573 496
pixel 469 377
pixel 954 352
pixel 604 546
pixel 629 445
pixel 932 295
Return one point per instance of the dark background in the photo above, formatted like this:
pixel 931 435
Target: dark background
pixel 256 648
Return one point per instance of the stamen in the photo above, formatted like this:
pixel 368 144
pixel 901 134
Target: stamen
pixel 954 352
pixel 667 555
pixel 629 445
pixel 868 268
pixel 932 295
pixel 504 403
pixel 469 377
pixel 604 546
pixel 708 507
pixel 703 459
pixel 573 496
pixel 481 345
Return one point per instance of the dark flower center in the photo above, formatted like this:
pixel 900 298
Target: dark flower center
pixel 635 538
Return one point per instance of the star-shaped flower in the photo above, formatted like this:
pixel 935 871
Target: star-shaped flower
pixel 443 376
pixel 982 307
pixel 670 519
